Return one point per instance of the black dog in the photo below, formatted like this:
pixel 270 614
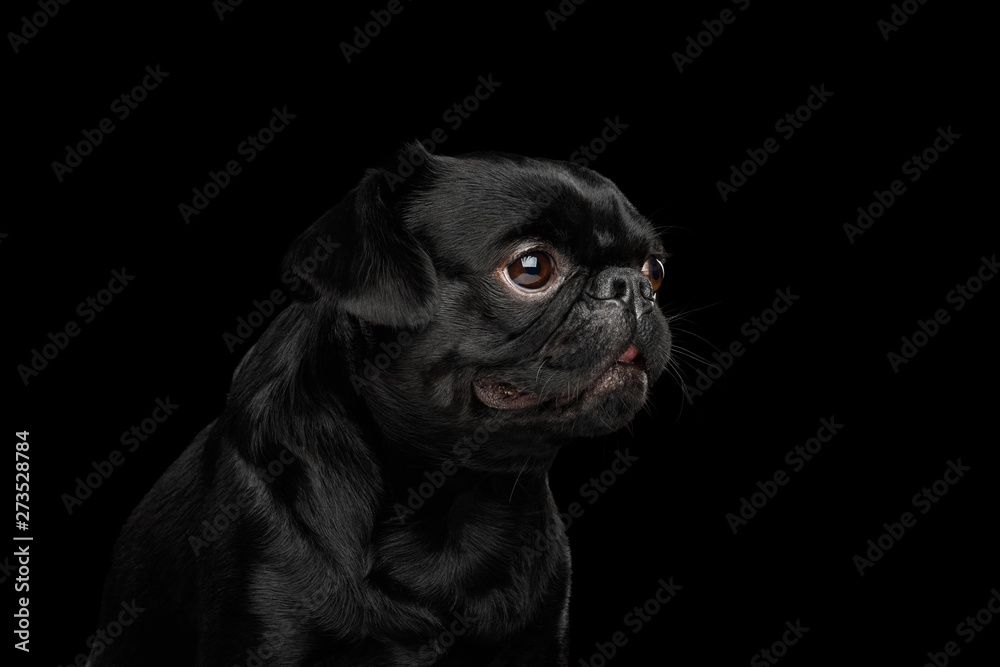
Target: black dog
pixel 374 491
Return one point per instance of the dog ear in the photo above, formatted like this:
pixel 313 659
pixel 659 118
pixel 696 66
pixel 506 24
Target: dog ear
pixel 360 254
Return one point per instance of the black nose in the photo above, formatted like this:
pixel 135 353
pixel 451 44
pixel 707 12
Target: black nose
pixel 627 286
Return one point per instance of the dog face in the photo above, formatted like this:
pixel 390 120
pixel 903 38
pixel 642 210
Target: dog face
pixel 494 290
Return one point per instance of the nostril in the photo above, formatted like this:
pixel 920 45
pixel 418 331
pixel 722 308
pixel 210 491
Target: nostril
pixel 619 289
pixel 618 284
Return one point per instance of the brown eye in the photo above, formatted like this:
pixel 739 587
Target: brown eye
pixel 532 271
pixel 653 270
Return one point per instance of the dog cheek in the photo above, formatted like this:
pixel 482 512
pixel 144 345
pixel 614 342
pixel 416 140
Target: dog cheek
pixel 660 346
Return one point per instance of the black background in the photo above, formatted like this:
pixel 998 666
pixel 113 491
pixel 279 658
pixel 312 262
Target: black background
pixel 665 517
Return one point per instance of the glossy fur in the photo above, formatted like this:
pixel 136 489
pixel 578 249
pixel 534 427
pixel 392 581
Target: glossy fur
pixel 355 503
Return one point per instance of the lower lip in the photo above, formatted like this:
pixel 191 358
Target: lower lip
pixel 613 378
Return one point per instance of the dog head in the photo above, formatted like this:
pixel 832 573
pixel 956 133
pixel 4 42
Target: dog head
pixel 491 293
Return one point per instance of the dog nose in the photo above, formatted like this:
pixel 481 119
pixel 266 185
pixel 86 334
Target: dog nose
pixel 627 286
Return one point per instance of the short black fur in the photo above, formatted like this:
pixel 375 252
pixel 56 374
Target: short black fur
pixel 367 497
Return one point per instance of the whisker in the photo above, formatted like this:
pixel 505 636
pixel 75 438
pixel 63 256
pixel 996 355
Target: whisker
pixel 517 478
pixel 684 311
pixel 691 333
pixel 689 354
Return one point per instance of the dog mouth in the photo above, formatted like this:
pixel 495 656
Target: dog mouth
pixel 628 368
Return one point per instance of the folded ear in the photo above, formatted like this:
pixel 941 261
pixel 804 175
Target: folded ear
pixel 360 255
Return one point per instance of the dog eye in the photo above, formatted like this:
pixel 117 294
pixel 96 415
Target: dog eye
pixel 653 270
pixel 532 271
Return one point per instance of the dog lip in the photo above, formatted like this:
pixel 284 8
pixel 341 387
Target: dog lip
pixel 501 395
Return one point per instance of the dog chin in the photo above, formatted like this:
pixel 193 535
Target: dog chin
pixel 600 403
